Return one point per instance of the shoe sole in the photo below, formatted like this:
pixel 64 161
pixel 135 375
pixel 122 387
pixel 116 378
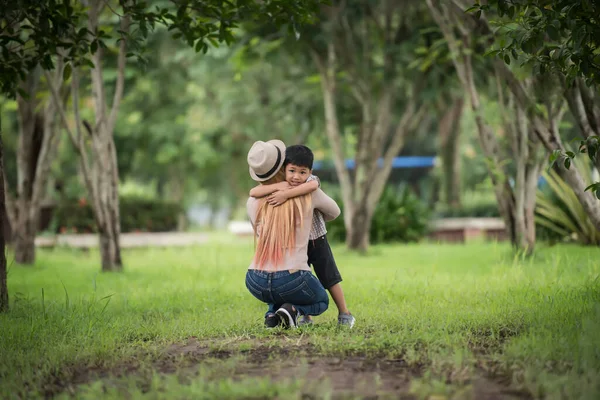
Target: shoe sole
pixel 276 325
pixel 285 315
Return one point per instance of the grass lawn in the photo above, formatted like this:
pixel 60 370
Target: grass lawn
pixel 433 321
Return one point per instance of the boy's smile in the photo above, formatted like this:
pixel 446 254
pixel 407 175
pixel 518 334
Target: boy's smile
pixel 296 175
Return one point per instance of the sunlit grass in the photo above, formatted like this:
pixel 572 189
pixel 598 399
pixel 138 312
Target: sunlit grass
pixel 444 308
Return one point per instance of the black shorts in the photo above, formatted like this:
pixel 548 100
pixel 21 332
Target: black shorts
pixel 321 258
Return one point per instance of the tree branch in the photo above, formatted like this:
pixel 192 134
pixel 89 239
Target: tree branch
pixel 327 71
pixel 446 29
pixel 410 119
pixel 89 183
pixel 10 204
pixel 60 109
pixel 49 142
pixel 119 86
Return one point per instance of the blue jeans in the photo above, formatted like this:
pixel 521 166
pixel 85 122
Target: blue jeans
pixel 301 289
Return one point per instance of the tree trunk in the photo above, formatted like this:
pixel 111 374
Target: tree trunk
pixel 24 244
pixel 551 140
pixel 105 188
pixel 449 130
pixel 357 236
pixel 27 213
pixel 3 221
pixel 107 191
pixel 38 143
pixel 110 250
pixel 528 163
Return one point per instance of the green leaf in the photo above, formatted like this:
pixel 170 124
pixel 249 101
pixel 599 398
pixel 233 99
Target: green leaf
pixel 478 14
pixel 553 33
pixel 511 12
pixel 554 156
pixel 67 72
pixel 507 59
pixel 491 53
pixel 567 163
pixel 472 8
pixel 593 186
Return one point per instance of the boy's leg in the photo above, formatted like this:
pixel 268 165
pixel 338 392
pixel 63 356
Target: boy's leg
pixel 321 258
pixel 337 294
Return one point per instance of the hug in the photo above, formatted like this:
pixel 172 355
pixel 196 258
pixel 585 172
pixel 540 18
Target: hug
pixel 288 211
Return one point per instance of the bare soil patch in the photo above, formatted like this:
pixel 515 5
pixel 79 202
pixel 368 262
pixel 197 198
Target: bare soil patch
pixel 342 376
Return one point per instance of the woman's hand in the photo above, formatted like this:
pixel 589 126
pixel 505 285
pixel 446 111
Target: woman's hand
pixel 277 198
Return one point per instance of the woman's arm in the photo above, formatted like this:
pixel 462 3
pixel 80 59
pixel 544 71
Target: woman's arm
pixel 252 209
pixel 326 205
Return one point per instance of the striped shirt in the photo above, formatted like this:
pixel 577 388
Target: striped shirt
pixel 318 223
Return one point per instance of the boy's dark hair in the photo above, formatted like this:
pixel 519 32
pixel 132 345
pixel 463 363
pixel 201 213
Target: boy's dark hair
pixel 299 155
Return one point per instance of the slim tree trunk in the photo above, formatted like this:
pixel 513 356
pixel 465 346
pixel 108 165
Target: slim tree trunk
pixel 105 160
pixel 30 135
pixel 449 131
pixel 526 151
pixel 3 220
pixel 108 210
pixel 101 175
pixel 38 143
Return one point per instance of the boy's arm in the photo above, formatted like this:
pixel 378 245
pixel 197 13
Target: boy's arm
pixel 281 196
pixel 265 190
pixel 314 178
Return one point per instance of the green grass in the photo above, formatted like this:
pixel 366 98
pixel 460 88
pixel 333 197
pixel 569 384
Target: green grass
pixel 450 311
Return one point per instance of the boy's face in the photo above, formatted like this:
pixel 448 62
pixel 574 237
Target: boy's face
pixel 296 175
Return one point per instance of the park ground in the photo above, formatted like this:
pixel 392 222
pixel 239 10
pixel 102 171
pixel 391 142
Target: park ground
pixel 433 322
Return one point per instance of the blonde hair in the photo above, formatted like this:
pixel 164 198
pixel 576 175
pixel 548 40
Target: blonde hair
pixel 277 225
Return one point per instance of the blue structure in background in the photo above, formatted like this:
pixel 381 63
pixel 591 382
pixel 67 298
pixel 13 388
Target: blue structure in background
pixel 398 162
pixel 410 162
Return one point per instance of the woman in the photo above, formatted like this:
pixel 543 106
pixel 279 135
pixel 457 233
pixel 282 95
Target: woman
pixel 279 274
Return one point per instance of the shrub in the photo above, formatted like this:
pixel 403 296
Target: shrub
pixel 137 214
pixel 475 204
pixel 559 214
pixel 400 216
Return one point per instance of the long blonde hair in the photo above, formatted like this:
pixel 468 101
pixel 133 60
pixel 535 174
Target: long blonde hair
pixel 277 225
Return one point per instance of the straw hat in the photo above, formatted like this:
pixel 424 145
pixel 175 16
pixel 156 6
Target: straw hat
pixel 265 159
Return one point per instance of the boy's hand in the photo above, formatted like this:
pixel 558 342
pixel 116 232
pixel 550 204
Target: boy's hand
pixel 277 198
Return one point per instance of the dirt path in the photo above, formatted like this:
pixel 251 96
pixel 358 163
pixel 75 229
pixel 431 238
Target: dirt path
pixel 355 376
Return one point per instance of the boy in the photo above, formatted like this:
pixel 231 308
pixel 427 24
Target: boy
pixel 300 180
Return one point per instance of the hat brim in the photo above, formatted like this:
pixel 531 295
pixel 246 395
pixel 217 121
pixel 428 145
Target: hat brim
pixel 281 146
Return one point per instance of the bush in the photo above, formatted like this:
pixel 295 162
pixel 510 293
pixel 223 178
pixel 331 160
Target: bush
pixel 475 204
pixel 559 214
pixel 400 216
pixel 137 214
